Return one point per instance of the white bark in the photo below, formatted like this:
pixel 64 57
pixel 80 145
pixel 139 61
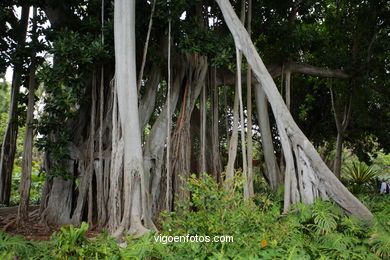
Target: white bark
pixel 125 67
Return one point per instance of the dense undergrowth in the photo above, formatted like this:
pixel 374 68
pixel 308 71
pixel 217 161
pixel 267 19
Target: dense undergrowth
pixel 319 231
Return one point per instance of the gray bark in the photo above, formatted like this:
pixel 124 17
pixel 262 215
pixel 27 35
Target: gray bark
pixel 341 125
pixel 216 159
pixel 154 146
pixel 203 131
pixel 196 69
pixel 272 167
pixel 25 180
pixel 249 110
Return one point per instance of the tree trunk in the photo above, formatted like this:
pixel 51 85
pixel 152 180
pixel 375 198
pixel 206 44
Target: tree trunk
pixel 25 180
pixel 249 110
pixel 341 125
pixel 203 131
pixel 288 89
pixel 116 170
pixel 134 187
pixel 216 159
pixel 243 150
pixel 272 167
pixel 154 148
pixel 8 148
pixel 339 154
pixel 232 152
pixel 196 69
pixel 146 105
pixel 315 178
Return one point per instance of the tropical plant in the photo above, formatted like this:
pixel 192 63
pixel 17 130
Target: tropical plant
pixel 70 242
pixel 359 172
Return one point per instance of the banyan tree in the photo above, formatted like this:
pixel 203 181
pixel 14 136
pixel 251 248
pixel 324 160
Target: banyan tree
pixel 138 96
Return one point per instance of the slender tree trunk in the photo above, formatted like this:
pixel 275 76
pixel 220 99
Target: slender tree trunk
pixel 8 148
pixel 243 150
pixel 271 163
pixel 216 159
pixel 249 110
pixel 339 154
pixel 203 131
pixel 225 104
pixel 141 72
pixel 341 125
pixel 314 178
pixel 116 170
pixel 146 105
pixel 100 176
pixel 168 186
pixel 232 152
pixel 25 181
pixel 91 147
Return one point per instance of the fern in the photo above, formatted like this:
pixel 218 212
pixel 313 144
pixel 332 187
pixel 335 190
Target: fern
pixel 12 247
pixel 71 242
pixel 380 244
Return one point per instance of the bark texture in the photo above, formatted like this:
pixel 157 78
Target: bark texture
pixel 196 70
pixel 25 180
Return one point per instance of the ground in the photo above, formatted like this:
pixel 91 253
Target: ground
pixel 33 229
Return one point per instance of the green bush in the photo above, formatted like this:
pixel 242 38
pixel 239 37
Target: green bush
pixel 318 231
pixel 359 177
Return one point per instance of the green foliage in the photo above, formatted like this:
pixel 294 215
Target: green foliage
pixel 37 181
pixel 359 176
pixel 359 172
pixel 318 231
pixel 381 163
pixel 64 92
pixel 380 244
pixel 11 246
pixel 70 242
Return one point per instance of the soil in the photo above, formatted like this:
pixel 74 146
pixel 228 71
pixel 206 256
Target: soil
pixel 32 229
